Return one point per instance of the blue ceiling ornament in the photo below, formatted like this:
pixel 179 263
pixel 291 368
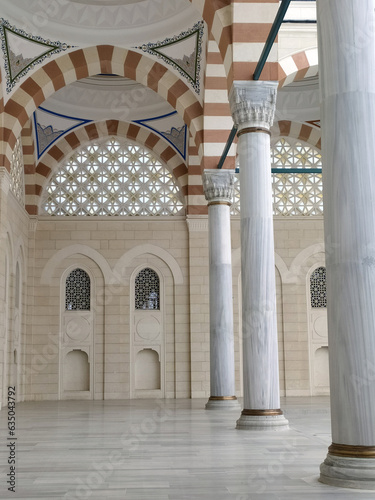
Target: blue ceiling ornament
pixel 50 126
pixel 171 127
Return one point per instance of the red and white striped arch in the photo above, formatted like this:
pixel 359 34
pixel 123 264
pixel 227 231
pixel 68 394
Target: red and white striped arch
pixel 299 131
pixel 90 61
pixel 85 134
pixel 218 16
pixel 28 150
pixel 298 66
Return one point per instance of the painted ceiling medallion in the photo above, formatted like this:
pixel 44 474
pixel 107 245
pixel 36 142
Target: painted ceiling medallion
pixel 183 52
pixel 22 52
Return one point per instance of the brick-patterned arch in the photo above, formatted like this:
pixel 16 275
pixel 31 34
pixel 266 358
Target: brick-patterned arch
pixel 297 130
pixel 85 134
pixel 90 61
pixel 218 16
pixel 298 66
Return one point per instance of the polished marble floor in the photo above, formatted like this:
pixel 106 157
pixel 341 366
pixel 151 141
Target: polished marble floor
pixel 166 450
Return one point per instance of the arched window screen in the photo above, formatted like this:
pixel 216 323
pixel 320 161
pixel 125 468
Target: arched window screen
pixel 147 290
pixel 77 291
pixel 294 193
pixel 112 177
pixel 318 288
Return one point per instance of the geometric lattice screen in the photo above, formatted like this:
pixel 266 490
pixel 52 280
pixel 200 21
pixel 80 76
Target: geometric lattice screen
pixel 77 291
pixel 112 177
pixel 293 193
pixel 147 290
pixel 318 288
pixel 17 185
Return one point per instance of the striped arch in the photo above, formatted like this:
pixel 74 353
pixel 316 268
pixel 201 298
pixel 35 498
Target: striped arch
pixel 88 62
pixel 217 117
pixel 298 66
pixel 218 16
pixel 28 153
pixel 196 200
pixel 300 131
pixel 69 143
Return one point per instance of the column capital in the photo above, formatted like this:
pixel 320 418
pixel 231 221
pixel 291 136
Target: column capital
pixel 253 103
pixel 218 186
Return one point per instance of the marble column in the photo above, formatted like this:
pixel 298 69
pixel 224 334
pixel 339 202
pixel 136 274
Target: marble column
pixel 346 35
pixel 253 107
pixel 218 188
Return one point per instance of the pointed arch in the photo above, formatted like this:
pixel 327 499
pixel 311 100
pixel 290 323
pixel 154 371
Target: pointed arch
pixel 94 255
pixel 85 134
pixel 298 66
pixel 91 61
pixel 300 131
pixel 171 262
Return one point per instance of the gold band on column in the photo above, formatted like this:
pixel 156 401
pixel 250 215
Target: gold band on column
pixel 249 130
pixel 227 203
pixel 262 413
pixel 222 398
pixel 347 450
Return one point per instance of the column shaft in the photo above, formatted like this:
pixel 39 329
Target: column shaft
pixel 259 327
pixel 218 187
pixel 253 107
pixel 346 63
pixel 221 307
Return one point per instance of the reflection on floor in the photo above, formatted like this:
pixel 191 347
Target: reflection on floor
pixel 166 450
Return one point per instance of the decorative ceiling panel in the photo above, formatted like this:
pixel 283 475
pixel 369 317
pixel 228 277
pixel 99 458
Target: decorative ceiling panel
pixel 50 126
pixel 22 52
pixel 183 52
pixel 171 127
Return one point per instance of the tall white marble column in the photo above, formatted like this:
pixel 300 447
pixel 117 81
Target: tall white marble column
pixel 347 87
pixel 253 106
pixel 218 188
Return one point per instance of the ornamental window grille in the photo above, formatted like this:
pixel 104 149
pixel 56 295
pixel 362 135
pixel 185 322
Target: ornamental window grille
pixel 295 193
pixel 17 172
pixel 147 289
pixel 77 291
pixel 318 288
pixel 112 177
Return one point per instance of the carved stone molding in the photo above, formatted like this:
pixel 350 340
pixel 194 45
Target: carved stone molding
pixel 33 223
pixel 199 224
pixel 253 103
pixel 218 186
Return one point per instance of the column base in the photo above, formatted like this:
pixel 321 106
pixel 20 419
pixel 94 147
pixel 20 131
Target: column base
pixel 272 420
pixel 223 403
pixel 349 466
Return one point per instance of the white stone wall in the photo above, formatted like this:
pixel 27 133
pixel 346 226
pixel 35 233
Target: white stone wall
pixel 14 331
pixel 112 250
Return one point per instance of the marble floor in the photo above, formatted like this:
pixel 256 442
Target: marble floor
pixel 166 450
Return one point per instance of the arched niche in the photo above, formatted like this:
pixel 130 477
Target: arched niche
pixel 147 370
pixel 77 371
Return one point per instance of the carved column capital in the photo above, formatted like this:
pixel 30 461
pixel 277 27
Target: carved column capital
pixel 218 186
pixel 253 104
